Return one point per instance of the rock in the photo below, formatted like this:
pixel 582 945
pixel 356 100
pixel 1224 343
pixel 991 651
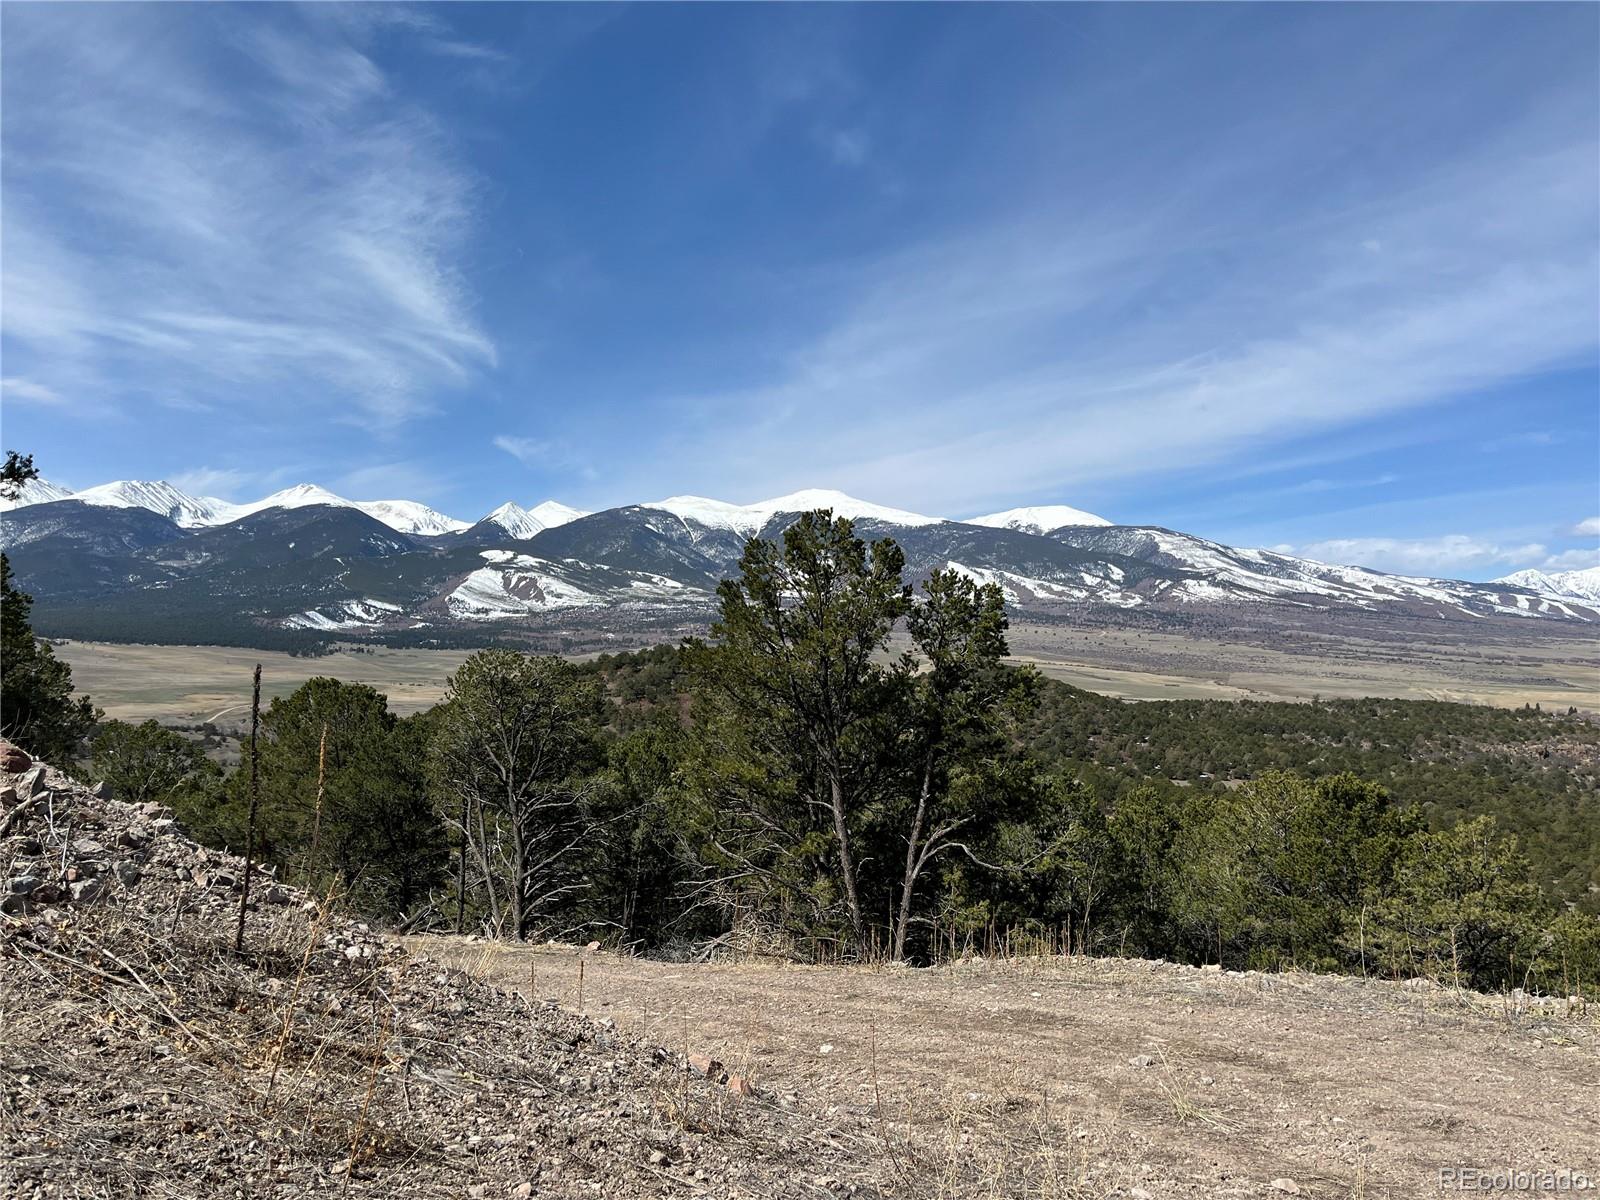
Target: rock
pixel 1288 1186
pixel 276 894
pixel 88 848
pixel 14 758
pixel 702 1064
pixel 523 1190
pixel 658 1158
pixel 32 783
pixel 825 1048
pixel 8 796
pixel 131 839
pixel 1141 1060
pixel 592 947
pixel 24 885
pixel 128 873
pixel 740 1086
pixel 88 889
pixel 101 790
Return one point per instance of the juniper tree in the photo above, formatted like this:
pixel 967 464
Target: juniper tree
pixel 957 704
pixel 513 749
pixel 147 762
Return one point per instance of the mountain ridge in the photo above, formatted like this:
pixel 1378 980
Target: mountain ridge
pixel 307 559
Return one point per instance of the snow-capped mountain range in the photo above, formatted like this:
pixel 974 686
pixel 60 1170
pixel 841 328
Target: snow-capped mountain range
pixel 192 512
pixel 153 561
pixel 1583 584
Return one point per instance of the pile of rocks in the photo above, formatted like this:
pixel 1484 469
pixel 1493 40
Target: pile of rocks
pixel 142 1056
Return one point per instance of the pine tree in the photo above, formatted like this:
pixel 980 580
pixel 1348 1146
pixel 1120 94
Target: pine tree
pixel 37 708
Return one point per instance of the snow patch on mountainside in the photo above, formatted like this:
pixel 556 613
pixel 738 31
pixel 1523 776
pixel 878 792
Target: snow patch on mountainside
pixel 1039 519
pixel 35 491
pixel 748 518
pixel 351 614
pixel 159 496
pixel 1226 574
pixel 1022 589
pixel 1578 585
pixel 511 585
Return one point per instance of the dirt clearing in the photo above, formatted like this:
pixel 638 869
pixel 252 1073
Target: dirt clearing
pixel 1122 1078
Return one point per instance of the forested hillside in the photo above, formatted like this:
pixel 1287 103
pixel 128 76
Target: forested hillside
pixel 1537 773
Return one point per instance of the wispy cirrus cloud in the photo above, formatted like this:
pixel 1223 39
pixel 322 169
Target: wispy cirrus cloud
pixel 259 216
pixel 996 342
pixel 26 390
pixel 544 454
pixel 528 451
pixel 1448 555
pixel 223 482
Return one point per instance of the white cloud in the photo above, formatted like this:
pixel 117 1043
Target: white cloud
pixel 223 482
pixel 391 481
pixel 1441 556
pixel 15 388
pixel 1149 328
pixel 266 220
pixel 1573 560
pixel 1588 527
pixel 528 451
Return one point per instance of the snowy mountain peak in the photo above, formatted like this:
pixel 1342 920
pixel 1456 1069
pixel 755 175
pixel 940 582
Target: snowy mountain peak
pixel 1038 519
pixel 159 496
pixel 747 518
pixel 514 519
pixel 842 506
pixel 551 513
pixel 408 516
pixel 35 491
pixel 1580 585
pixel 300 495
pixel 403 516
pixel 522 522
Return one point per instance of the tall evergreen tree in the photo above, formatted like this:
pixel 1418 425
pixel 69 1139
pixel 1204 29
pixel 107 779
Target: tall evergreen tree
pixel 37 708
pixel 794 656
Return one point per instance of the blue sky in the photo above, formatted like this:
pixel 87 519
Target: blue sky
pixel 1317 276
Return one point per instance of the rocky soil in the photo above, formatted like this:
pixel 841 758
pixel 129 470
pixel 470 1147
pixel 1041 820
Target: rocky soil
pixel 141 1056
pixel 1140 1080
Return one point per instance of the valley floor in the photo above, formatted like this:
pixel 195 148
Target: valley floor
pixel 192 684
pixel 1122 1078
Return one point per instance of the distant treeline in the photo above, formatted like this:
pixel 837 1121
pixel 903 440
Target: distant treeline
pixel 790 785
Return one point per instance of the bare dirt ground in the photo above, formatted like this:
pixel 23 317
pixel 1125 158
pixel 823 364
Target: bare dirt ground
pixel 1104 1078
